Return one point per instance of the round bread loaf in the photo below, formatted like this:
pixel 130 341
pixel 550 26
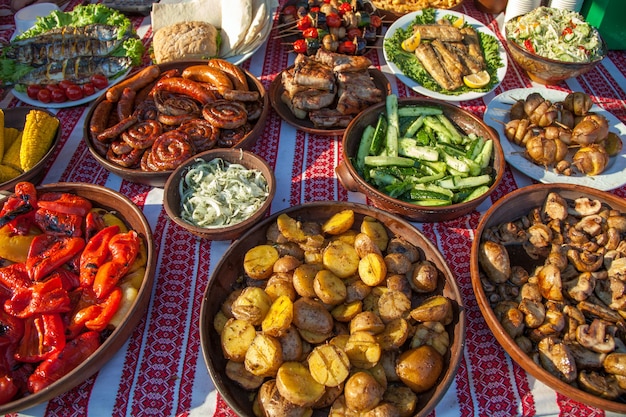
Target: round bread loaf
pixel 185 41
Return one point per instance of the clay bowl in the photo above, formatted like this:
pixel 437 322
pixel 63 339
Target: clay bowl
pixel 15 118
pixel 134 218
pixel 509 208
pixel 545 70
pixel 228 273
pixel 464 119
pixel 158 179
pixel 172 197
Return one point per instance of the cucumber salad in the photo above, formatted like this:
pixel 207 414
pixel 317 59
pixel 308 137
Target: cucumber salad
pixel 557 34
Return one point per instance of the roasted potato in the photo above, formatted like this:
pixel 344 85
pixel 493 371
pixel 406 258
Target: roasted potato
pixel 279 317
pixel 303 277
pixel 362 392
pixel 237 372
pixel 252 305
pixel 424 277
pixel 329 365
pixel 340 258
pixel 236 337
pixel 264 356
pixel 372 269
pixel 259 261
pixel 329 288
pixel 273 404
pixel 296 384
pixel 339 223
pixel 310 315
pixel 420 368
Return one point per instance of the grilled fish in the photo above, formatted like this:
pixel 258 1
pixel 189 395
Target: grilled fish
pixel 37 54
pixel 470 38
pixel 94 31
pixel 427 56
pixel 77 70
pixel 445 33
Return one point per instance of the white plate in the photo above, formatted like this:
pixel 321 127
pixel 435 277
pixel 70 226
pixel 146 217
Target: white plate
pixel 496 116
pixel 24 97
pixel 406 20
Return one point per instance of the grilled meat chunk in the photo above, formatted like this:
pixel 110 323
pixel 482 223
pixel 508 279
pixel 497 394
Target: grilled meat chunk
pixel 312 99
pixel 342 62
pixel 325 118
pixel 356 91
pixel 311 73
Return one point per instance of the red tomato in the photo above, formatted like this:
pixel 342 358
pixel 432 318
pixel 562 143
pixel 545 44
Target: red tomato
pixel 310 33
pixel 353 33
pixel 52 87
pixel 65 84
pixel 44 95
pixel 347 47
pixel 58 96
pixel 333 20
pixel 32 91
pixel 299 46
pixel 88 89
pixel 345 7
pixel 99 81
pixel 304 23
pixel 375 20
pixel 74 92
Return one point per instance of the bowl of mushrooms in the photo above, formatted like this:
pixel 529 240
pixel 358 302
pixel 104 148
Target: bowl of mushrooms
pixel 547 268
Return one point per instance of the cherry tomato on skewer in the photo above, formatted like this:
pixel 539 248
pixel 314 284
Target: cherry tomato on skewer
pixel 333 20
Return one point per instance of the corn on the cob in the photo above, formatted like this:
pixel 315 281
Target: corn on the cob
pixel 11 157
pixel 37 137
pixel 1 133
pixel 10 134
pixel 7 173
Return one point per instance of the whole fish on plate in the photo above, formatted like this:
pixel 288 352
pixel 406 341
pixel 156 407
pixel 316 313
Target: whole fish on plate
pixel 66 42
pixel 77 70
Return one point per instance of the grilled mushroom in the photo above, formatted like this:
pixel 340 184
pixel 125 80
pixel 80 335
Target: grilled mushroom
pixel 595 337
pixel 557 359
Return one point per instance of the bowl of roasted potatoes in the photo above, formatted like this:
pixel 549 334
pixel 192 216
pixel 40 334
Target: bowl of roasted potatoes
pixel 332 308
pixel 547 268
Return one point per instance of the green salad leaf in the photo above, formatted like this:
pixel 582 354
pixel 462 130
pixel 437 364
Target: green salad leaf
pixel 410 65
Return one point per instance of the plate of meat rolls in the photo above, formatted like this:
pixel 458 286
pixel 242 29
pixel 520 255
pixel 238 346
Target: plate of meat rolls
pixel 445 54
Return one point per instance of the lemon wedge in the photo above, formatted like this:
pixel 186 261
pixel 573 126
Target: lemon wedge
pixel 411 43
pixel 478 80
pixel 458 23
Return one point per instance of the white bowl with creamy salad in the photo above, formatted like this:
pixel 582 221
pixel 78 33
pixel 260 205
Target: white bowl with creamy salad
pixel 552 45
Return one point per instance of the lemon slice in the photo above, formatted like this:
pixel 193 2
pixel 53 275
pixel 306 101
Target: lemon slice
pixel 411 43
pixel 478 80
pixel 458 23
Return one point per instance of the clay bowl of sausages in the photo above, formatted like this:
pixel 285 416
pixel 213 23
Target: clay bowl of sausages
pixel 97 346
pixel 319 371
pixel 150 123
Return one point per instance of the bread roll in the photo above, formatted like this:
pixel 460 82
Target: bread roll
pixel 184 41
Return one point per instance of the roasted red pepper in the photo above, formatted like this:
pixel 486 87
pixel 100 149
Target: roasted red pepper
pixel 92 313
pixel 12 277
pixel 61 224
pixel 528 44
pixel 44 335
pixel 19 208
pixel 8 389
pixel 69 280
pixel 95 254
pixel 48 252
pixel 94 222
pixel 11 329
pixel 124 248
pixel 60 364
pixel 42 297
pixel 65 203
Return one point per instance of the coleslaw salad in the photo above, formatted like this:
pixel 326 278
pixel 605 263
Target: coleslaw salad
pixel 557 34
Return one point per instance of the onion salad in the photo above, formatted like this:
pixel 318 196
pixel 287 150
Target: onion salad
pixel 218 193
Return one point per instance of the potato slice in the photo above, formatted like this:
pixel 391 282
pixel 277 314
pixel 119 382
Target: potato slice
pixel 436 308
pixel 279 317
pixel 394 335
pixel 329 288
pixel 363 350
pixel 296 384
pixel 303 277
pixel 339 222
pixel 364 244
pixel 290 228
pixel 252 305
pixel 372 269
pixel 392 305
pixel 264 356
pixel 345 312
pixel 341 258
pixel 272 404
pixel 329 365
pixel 236 337
pixel 259 261
pixel 376 230
pixel 237 372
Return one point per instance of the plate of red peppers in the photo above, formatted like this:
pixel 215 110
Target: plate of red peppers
pixel 76 272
